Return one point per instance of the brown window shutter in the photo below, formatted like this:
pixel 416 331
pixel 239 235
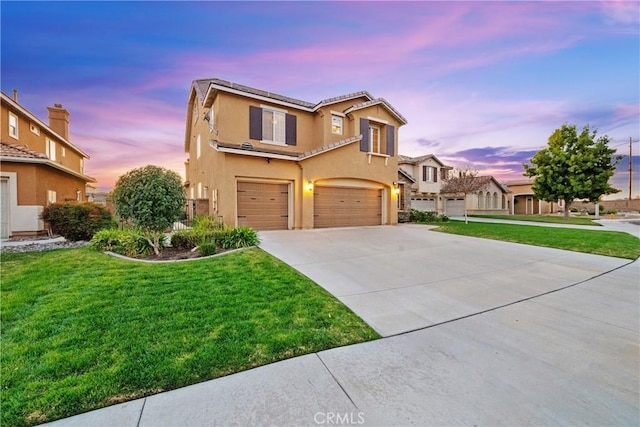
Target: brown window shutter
pixel 435 174
pixel 290 129
pixel 391 143
pixel 424 173
pixel 255 122
pixel 364 130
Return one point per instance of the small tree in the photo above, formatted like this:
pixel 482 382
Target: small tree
pixel 151 198
pixel 573 167
pixel 463 181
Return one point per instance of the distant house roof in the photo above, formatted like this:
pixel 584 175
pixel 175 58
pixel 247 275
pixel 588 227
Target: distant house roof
pixel 12 150
pixel 16 153
pixel 406 174
pixel 416 160
pixel 203 87
pixel 482 180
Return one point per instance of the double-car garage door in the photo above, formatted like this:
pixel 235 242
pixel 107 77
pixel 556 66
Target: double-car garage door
pixel 345 207
pixel 265 206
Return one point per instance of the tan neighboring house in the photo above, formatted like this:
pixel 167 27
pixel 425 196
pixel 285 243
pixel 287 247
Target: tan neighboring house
pixel 38 166
pixel 524 202
pixel 428 173
pixel 492 199
pixel 269 161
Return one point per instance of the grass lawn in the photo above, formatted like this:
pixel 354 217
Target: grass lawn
pixel 82 330
pixel 556 219
pixel 609 243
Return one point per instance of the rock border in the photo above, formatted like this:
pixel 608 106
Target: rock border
pixel 167 261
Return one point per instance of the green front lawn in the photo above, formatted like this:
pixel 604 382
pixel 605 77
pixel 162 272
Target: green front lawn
pixel 82 330
pixel 609 243
pixel 556 219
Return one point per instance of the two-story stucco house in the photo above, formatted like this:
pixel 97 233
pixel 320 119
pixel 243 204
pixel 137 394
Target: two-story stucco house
pixel 428 173
pixel 38 166
pixel 269 161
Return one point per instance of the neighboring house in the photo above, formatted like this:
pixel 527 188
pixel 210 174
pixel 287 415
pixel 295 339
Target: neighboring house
pixel 405 183
pixel 428 173
pixel 38 166
pixel 524 201
pixel 492 199
pixel 273 162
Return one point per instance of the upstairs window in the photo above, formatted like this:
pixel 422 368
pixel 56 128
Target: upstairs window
pixel 50 148
pixel 429 174
pixel 336 125
pixel 377 137
pixel 272 126
pixel 374 138
pixel 13 126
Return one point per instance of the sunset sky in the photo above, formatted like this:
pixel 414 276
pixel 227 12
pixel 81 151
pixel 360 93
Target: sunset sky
pixel 480 83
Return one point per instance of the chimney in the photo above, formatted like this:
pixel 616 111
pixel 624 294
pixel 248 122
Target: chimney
pixel 15 95
pixel 59 120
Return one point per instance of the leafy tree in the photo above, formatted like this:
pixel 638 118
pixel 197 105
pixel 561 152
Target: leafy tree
pixel 573 166
pixel 152 198
pixel 463 181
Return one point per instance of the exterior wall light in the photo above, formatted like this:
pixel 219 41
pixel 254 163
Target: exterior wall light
pixel 309 185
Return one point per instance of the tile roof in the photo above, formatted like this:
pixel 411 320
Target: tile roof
pixel 12 150
pixel 415 160
pixel 202 86
pixel 294 156
pixel 406 174
pixel 375 102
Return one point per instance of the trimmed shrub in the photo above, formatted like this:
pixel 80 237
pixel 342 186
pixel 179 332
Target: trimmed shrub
pixel 239 237
pixel 190 238
pixel 77 221
pixel 204 222
pixel 421 216
pixel 207 249
pixel 131 242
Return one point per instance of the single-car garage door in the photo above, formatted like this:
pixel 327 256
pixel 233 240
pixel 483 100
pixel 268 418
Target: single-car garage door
pixel 454 207
pixel 345 207
pixel 263 206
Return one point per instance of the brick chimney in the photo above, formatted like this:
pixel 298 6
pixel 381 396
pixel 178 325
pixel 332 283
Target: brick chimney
pixel 59 120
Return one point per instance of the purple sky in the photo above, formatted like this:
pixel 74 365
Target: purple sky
pixel 481 83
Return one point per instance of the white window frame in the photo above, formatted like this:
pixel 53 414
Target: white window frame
pixel 337 124
pixel 430 175
pixel 52 197
pixel 198 147
pixel 82 164
pixel 372 129
pixel 64 151
pixel 278 133
pixel 50 149
pixel 34 128
pixel 13 126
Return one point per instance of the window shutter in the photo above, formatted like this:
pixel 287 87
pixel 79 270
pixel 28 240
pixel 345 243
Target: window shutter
pixel 391 140
pixel 290 123
pixel 364 130
pixel 424 173
pixel 435 174
pixel 255 122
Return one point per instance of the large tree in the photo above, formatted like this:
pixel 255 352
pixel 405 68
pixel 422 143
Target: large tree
pixel 573 167
pixel 463 181
pixel 150 197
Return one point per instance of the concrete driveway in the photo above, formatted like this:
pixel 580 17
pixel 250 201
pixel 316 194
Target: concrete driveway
pixel 406 277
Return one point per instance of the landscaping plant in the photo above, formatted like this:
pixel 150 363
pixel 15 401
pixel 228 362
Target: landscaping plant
pixel 77 221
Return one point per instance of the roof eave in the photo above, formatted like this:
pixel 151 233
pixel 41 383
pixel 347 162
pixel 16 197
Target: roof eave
pixel 47 162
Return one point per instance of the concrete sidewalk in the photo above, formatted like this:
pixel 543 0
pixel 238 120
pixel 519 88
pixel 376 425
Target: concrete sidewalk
pixel 626 225
pixel 570 357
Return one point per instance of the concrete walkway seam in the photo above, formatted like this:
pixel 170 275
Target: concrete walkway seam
pixel 511 303
pixel 336 380
pixel 144 402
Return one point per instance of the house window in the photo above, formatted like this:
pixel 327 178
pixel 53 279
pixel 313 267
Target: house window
pixel 209 117
pixel 51 197
pixel 199 190
pixel 81 165
pixel 64 152
pixel 35 129
pixel 50 148
pixel 13 126
pixel 273 126
pixel 198 147
pixel 205 192
pixel 429 174
pixel 336 124
pixel 480 200
pixel 374 137
pixel 191 191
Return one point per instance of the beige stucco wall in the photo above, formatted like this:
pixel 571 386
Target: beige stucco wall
pixel 220 172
